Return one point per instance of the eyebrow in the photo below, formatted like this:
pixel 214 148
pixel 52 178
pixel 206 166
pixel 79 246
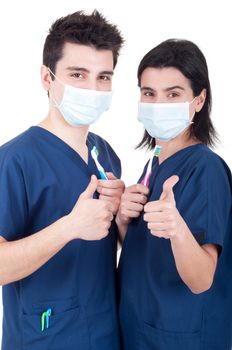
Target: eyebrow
pixel 109 72
pixel 146 88
pixel 174 87
pixel 167 89
pixel 82 69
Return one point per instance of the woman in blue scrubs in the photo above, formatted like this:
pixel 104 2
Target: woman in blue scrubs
pixel 58 239
pixel 175 271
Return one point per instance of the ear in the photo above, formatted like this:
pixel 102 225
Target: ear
pixel 45 77
pixel 200 100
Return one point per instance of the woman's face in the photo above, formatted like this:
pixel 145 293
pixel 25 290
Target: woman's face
pixel 162 85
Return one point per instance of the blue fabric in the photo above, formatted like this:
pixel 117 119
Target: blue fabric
pixel 157 310
pixel 41 178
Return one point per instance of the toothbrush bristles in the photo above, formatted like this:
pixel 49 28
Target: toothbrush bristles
pixel 157 150
pixel 95 150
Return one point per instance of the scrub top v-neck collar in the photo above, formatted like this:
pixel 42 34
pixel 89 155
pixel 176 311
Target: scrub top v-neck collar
pixel 89 167
pixel 156 167
pixel 180 152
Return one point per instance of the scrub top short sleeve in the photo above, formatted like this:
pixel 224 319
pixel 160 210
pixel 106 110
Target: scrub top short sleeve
pixel 13 204
pixel 205 200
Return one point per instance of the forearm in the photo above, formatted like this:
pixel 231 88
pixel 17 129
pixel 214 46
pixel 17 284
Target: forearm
pixel 19 259
pixel 122 229
pixel 195 265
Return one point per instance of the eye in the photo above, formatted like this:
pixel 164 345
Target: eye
pixel 105 77
pixel 77 75
pixel 173 94
pixel 148 94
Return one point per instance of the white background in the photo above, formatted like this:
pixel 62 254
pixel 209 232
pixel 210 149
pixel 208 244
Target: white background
pixel 24 25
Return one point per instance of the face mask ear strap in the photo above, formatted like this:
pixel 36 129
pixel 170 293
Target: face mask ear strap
pixel 55 76
pixel 53 100
pixel 193 99
pixel 191 122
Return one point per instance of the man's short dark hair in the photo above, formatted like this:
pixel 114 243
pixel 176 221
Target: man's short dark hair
pixel 79 28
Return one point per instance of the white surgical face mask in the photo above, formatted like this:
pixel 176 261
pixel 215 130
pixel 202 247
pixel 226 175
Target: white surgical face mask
pixel 164 121
pixel 82 106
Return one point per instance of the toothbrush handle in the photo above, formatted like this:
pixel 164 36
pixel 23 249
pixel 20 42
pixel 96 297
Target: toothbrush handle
pixel 145 180
pixel 103 175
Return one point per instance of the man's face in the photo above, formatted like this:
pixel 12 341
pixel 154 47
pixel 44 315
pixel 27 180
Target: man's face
pixel 83 67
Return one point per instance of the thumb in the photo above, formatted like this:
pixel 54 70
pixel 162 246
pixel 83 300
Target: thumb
pixel 91 188
pixel 168 185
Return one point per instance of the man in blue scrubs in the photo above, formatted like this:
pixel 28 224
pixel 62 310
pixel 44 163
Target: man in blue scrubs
pixel 58 238
pixel 175 269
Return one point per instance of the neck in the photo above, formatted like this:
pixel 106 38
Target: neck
pixel 171 147
pixel 75 137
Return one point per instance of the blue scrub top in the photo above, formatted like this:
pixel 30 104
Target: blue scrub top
pixel 157 310
pixel 41 178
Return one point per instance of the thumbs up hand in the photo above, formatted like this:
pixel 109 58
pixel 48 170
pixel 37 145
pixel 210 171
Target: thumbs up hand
pixel 162 217
pixel 90 218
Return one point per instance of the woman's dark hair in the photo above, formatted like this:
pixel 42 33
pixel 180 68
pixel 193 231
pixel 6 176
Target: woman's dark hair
pixel 78 28
pixel 185 56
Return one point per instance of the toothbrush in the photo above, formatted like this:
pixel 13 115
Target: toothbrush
pixel 94 154
pixel 156 153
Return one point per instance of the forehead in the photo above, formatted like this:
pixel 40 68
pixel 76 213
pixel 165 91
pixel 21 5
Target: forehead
pixel 85 56
pixel 162 78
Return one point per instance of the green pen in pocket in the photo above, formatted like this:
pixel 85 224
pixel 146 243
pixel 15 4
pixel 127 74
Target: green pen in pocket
pixel 45 317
